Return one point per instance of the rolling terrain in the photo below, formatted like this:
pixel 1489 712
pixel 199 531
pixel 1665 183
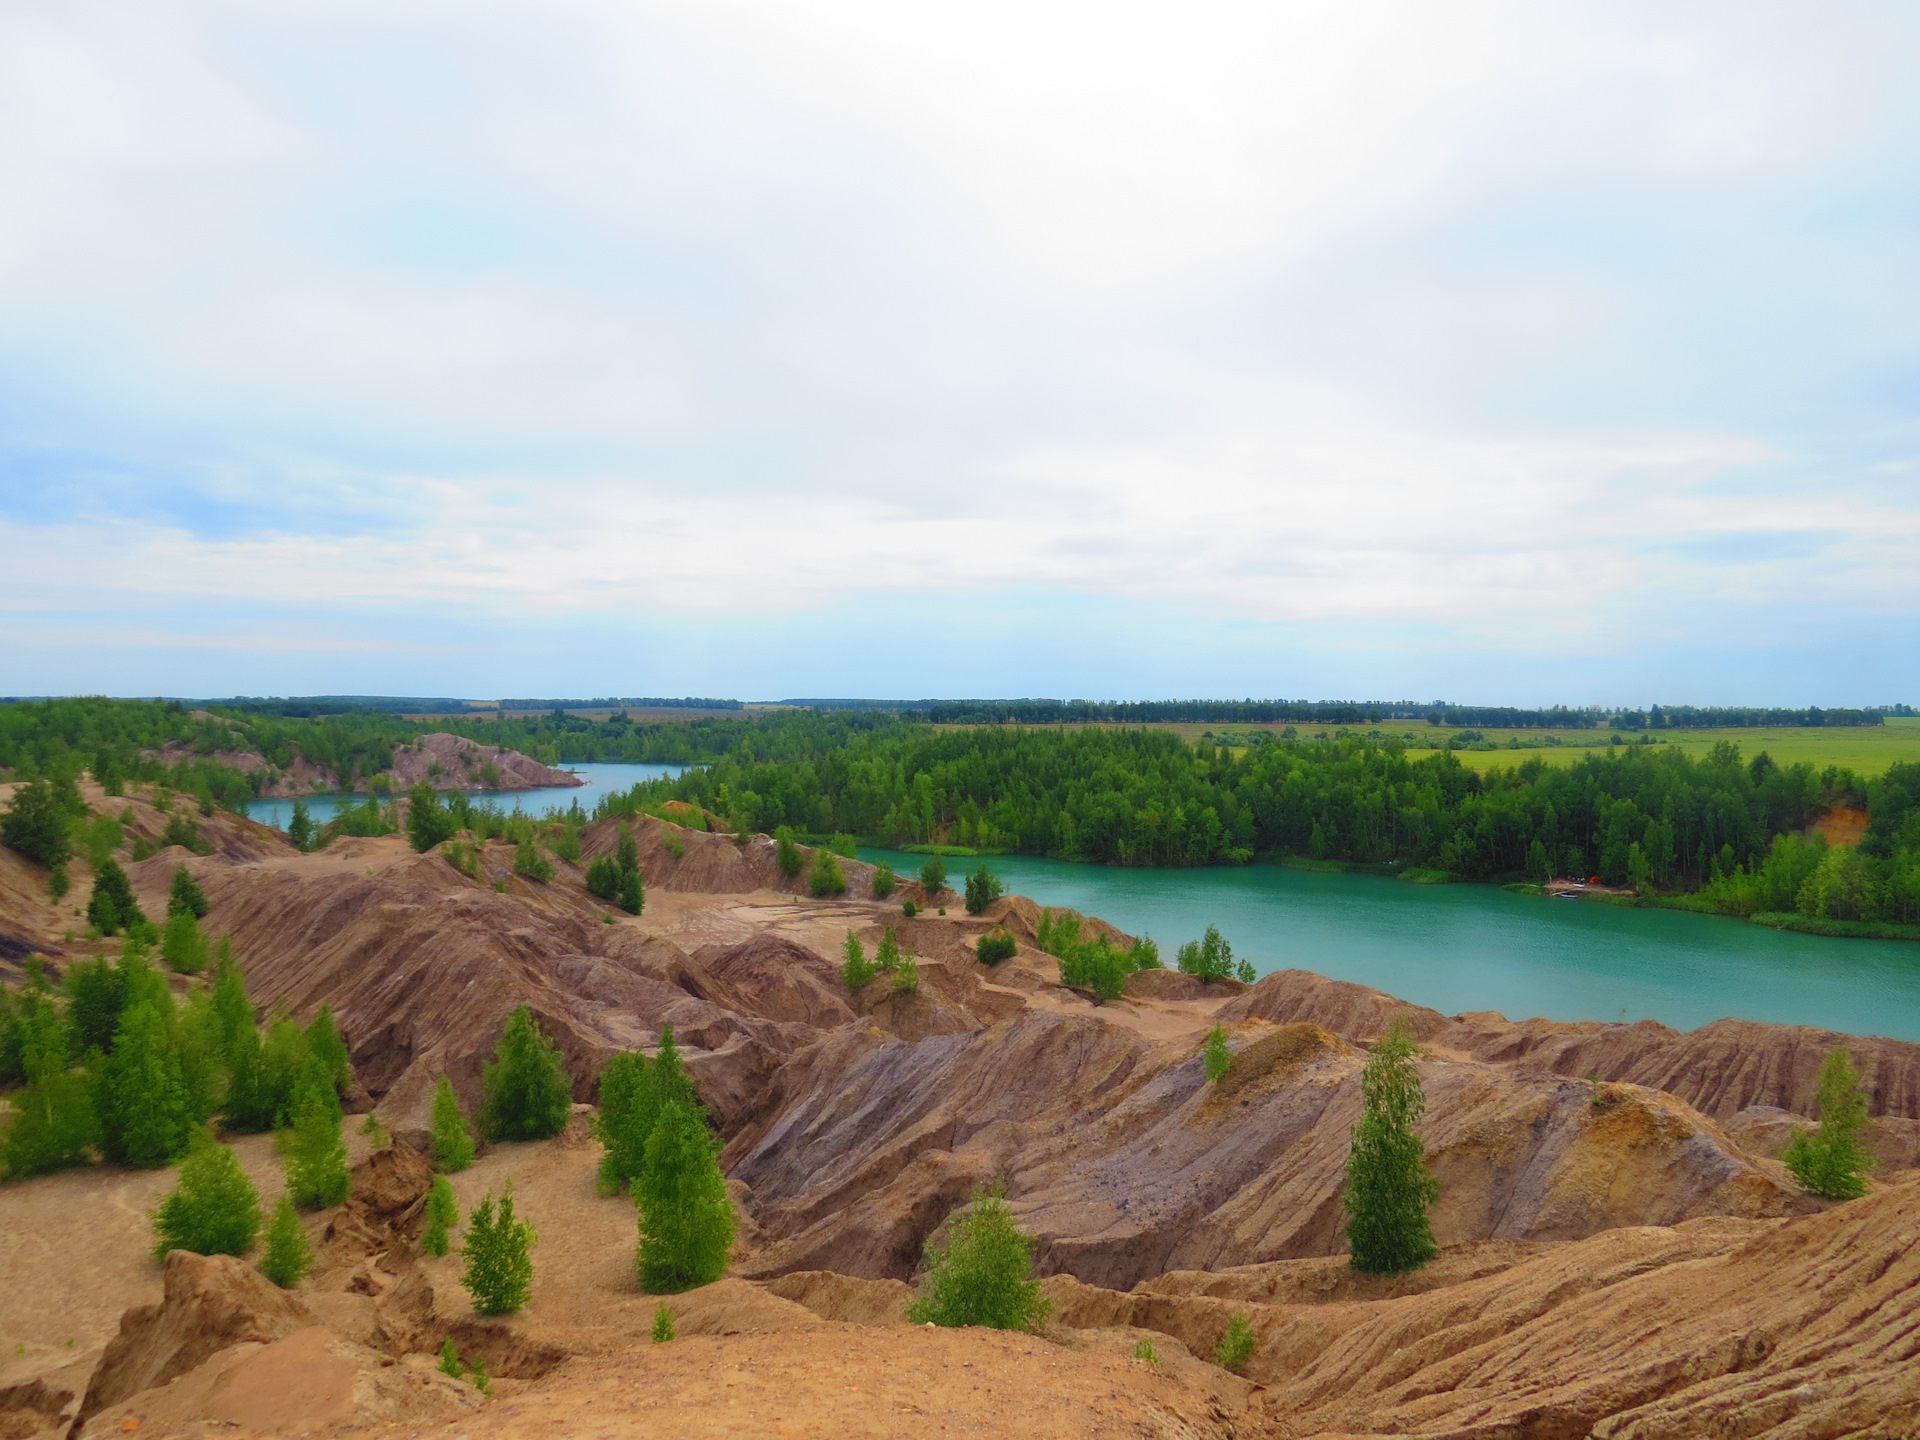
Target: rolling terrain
pixel 1622 1255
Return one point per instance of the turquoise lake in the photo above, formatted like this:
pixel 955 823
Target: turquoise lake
pixel 1478 947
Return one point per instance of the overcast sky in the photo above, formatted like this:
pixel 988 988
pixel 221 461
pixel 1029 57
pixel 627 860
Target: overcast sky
pixel 1499 353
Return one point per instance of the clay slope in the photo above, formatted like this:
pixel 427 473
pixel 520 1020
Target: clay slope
pixel 446 762
pixel 1126 1162
pixel 1715 1328
pixel 1719 1069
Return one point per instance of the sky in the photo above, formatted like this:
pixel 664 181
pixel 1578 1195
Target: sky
pixel 1499 353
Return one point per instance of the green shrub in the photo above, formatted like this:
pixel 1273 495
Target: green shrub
pixel 845 846
pixel 182 945
pixel 213 1210
pixel 662 1324
pixel 603 879
pixel 1210 958
pixel 991 949
pixel 187 895
pixel 933 877
pixel 300 827
pixel 906 977
pixel 884 882
pixel 316 1164
pixel 530 864
pixel 1219 1058
pixel 856 971
pixel 450 1360
pixel 686 1220
pixel 428 822
pixel 1145 954
pixel 452 1146
pixel 1388 1188
pixel 786 855
pixel 827 877
pixel 112 908
pixel 289 1254
pixel 1831 1161
pixel 1236 1346
pixel 141 1095
pixel 632 1094
pixel 526 1087
pixel 983 1275
pixel 499 1273
pixel 983 888
pixel 443 1213
pixel 909 909
pixel 1145 1351
pixel 36 823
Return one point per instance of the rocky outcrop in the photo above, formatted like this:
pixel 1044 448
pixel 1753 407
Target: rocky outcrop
pixel 212 1302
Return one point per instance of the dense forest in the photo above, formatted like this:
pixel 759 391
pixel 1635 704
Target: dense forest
pixel 1650 817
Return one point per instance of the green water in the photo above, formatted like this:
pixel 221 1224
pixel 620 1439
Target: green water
pixel 1477 947
pixel 599 778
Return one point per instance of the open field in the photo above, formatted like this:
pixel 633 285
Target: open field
pixel 1865 749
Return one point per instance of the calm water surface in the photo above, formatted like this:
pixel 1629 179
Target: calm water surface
pixel 1477 947
pixel 600 779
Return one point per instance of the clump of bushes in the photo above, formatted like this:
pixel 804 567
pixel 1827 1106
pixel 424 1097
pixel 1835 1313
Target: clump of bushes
pixel 992 948
pixel 983 1275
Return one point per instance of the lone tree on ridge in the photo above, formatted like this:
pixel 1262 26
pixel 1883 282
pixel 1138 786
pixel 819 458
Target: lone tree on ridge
pixel 1388 1186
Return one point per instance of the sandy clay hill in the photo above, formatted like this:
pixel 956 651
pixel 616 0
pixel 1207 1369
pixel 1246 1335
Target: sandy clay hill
pixel 1622 1255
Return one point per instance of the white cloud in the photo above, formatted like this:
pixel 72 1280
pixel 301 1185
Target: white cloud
pixel 736 303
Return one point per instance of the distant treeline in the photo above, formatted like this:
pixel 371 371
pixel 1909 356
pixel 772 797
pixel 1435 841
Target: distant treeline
pixel 1690 717
pixel 648 702
pixel 1252 712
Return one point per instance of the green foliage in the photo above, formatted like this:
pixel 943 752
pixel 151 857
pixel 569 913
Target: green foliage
pixel 632 1094
pixel 55 1121
pixel 856 970
pixel 325 1046
pixel 992 948
pixel 1145 1351
pixel 300 829
pixel 1831 1161
pixel 933 877
pixel 1236 1346
pixel 884 882
pixel 182 945
pixel 35 824
pixel 478 1374
pixel 906 976
pixel 428 822
pixel 183 830
pixel 1389 1189
pixel 1146 954
pixel 564 842
pixel 1219 1058
pixel 499 1273
pixel 983 888
pixel 141 1095
pixel 1096 965
pixel 845 846
pixel 530 864
pixel 450 1360
pixel 213 1210
pixel 368 819
pixel 452 1146
pixel 603 878
pixel 58 882
pixel 888 956
pixel 826 878
pixel 1244 972
pixel 662 1324
pixel 909 909
pixel 112 908
pixel 686 1220
pixel 1210 957
pixel 983 1275
pixel 289 1253
pixel 187 896
pixel 787 857
pixel 443 1213
pixel 316 1164
pixel 526 1086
